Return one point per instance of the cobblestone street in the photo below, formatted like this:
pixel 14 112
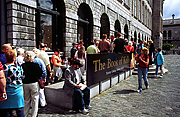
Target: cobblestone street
pixel 161 99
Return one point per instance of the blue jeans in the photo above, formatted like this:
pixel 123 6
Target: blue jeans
pixel 142 71
pixel 79 100
pixel 8 112
pixel 157 67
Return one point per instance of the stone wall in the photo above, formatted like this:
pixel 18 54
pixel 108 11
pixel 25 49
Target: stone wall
pixel 21 24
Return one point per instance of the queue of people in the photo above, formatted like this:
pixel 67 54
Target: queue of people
pixel 19 81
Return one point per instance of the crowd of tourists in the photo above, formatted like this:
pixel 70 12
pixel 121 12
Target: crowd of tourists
pixel 21 73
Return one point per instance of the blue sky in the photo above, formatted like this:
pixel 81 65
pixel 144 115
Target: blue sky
pixel 171 7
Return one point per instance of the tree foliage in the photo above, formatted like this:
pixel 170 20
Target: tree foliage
pixel 168 46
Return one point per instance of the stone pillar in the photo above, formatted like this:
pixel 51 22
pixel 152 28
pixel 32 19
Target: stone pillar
pixel 71 35
pixel 21 23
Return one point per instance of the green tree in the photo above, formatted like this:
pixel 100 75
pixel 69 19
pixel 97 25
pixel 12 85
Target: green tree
pixel 166 46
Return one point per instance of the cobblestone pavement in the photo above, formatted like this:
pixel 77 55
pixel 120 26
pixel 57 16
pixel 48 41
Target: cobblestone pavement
pixel 161 99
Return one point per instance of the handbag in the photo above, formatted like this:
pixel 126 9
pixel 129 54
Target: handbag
pixel 162 69
pixel 41 84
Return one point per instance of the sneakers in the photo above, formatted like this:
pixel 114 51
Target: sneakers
pixel 147 87
pixel 161 76
pixel 88 107
pixel 84 111
pixel 139 90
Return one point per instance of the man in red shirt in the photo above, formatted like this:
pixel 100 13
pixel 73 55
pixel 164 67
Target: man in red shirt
pixel 104 45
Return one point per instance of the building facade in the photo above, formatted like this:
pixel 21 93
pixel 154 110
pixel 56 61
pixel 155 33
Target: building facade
pixel 171 31
pixel 59 23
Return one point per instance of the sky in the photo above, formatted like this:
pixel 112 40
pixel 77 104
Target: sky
pixel 171 7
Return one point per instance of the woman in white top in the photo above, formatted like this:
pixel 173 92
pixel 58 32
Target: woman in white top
pixel 56 61
pixel 81 55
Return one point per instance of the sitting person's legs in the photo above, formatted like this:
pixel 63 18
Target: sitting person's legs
pixel 78 98
pixel 86 96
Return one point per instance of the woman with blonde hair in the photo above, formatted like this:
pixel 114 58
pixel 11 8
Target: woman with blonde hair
pixel 143 60
pixel 81 55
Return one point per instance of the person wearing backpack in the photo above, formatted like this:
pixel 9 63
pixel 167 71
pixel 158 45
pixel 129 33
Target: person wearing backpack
pixel 143 60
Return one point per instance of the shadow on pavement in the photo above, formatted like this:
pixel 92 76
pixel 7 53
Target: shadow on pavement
pixel 153 77
pixel 124 92
pixel 50 109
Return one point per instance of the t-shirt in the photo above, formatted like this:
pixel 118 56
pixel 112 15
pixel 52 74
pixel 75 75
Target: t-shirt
pixel 91 49
pixel 104 45
pixel 44 56
pixel 119 45
pixel 14 87
pixel 142 64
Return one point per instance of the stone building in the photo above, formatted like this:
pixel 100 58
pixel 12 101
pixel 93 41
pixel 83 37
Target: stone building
pixel 59 23
pixel 171 31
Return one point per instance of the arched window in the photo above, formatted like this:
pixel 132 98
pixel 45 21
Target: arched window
pixel 126 32
pixel 169 34
pixel 105 25
pixel 165 34
pixel 85 24
pixel 117 27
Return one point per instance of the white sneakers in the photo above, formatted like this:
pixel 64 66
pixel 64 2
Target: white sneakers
pixel 88 107
pixel 139 90
pixel 84 111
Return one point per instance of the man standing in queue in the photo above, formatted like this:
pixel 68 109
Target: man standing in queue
pixel 119 44
pixel 104 45
pixel 75 86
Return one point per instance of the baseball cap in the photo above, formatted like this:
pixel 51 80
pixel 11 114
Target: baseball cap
pixel 74 43
pixel 77 62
